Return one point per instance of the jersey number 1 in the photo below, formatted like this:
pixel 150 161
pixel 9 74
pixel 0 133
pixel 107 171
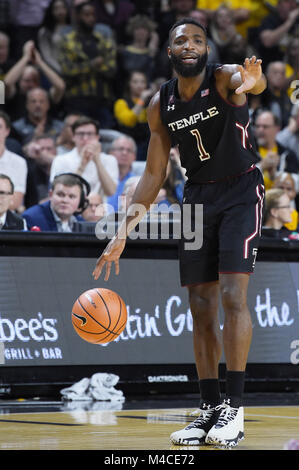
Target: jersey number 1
pixel 203 154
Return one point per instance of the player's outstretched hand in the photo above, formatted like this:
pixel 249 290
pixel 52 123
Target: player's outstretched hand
pixel 110 255
pixel 250 72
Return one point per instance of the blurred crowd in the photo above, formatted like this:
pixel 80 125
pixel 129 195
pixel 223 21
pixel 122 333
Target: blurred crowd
pixel 76 79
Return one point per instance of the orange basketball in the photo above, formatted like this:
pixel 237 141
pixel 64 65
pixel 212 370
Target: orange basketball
pixel 99 315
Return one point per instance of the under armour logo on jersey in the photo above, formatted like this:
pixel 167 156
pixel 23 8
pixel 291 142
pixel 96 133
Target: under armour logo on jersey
pixel 171 106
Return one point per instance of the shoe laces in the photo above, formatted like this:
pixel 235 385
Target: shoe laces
pixel 205 414
pixel 227 413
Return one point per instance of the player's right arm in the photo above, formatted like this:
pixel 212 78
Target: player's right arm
pixel 146 192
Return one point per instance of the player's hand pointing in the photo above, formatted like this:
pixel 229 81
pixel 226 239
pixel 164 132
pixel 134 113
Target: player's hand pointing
pixel 250 74
pixel 110 255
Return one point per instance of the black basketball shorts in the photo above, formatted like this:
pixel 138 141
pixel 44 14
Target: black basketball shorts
pixel 232 211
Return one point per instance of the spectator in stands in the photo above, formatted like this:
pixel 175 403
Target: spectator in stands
pixel 202 17
pixel 232 47
pixel 66 199
pixel 5 21
pixel 142 49
pixel 87 159
pixel 286 181
pixel 65 141
pixel 37 119
pixel 40 153
pixel 12 164
pixel 5 61
pixel 178 9
pixel 247 14
pixel 289 135
pixel 175 178
pixel 278 212
pixel 27 74
pixel 56 22
pixel 88 64
pixel 128 192
pixel 95 209
pixel 274 157
pixel 124 150
pixel 9 220
pixel 275 97
pixel 292 63
pixel 240 8
pixel 275 31
pixel 116 14
pixel 26 18
pixel 130 111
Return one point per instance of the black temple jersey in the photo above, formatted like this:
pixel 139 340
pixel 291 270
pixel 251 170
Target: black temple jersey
pixel 214 136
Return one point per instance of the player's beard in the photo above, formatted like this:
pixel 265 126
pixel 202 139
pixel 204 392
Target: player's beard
pixel 189 70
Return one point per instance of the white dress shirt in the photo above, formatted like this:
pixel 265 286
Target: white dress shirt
pixel 16 168
pixel 2 220
pixel 64 226
pixel 70 162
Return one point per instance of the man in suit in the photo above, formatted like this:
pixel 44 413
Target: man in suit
pixel 67 198
pixel 8 219
pixel 12 164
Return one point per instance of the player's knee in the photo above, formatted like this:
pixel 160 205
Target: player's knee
pixel 233 299
pixel 202 308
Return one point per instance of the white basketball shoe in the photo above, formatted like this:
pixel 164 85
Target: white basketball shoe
pixel 229 429
pixel 195 433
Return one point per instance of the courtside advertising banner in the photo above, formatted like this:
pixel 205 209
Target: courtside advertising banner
pixel 37 295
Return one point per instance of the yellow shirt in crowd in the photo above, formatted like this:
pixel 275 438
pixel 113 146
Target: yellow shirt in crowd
pixel 257 9
pixel 125 116
pixel 294 223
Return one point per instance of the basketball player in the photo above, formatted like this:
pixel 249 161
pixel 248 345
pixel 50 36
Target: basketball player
pixel 204 110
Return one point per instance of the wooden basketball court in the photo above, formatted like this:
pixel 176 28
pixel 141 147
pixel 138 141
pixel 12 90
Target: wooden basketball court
pixel 81 426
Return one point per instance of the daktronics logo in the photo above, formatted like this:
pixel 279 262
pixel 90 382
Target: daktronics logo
pixel 36 329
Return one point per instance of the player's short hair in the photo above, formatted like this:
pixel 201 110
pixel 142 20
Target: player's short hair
pixel 187 21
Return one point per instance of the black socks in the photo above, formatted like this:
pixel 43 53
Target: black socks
pixel 210 389
pixel 210 392
pixel 235 387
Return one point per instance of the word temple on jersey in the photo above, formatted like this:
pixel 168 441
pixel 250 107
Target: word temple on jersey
pixel 191 120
